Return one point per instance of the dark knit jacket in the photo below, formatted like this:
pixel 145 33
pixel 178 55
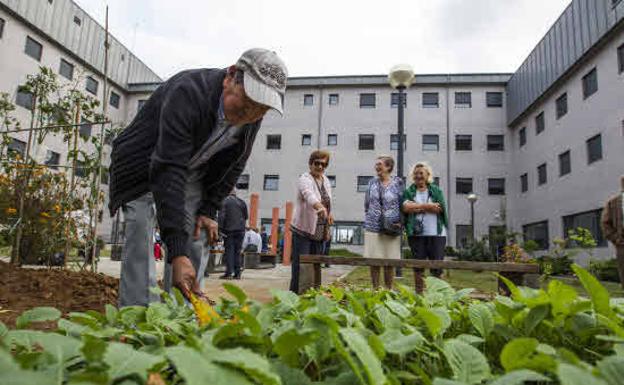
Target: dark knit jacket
pixel 153 153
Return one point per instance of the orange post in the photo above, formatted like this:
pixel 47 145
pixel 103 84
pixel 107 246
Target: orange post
pixel 288 234
pixel 253 210
pixel 274 229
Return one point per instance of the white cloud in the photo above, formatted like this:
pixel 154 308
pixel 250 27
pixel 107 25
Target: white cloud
pixel 329 37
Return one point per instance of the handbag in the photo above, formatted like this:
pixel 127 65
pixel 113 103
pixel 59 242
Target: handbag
pixel 419 225
pixel 321 232
pixel 389 226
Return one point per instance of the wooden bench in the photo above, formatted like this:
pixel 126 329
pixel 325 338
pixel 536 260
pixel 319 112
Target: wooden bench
pixel 513 271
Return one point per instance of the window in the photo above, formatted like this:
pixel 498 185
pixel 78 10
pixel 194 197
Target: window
pixel 524 182
pixel 594 149
pixel 620 54
pixel 394 99
pixel 542 177
pixel 77 21
pixel 271 182
pixel 92 85
pixel 16 147
pixel 463 185
pixel 539 123
pixel 394 141
pixel 308 100
pixel 66 69
pixel 367 101
pixel 463 142
pixel 104 175
pixel 494 99
pixel 52 159
pixel 243 182
pixel 362 183
pixel 332 180
pixel 562 105
pixel 332 139
pixel 496 143
pixel 589 220
pixel 85 128
pixel 274 142
pixel 141 103
pixel 537 232
pixel 24 99
pixel 463 100
pixel 347 233
pixel 333 99
pixel 431 143
pixel 496 186
pixel 80 170
pixel 522 136
pixel 1 27
pixel 306 140
pixel 33 48
pixel 366 142
pixel 114 99
pixel 564 163
pixel 463 236
pixel 430 100
pixel 590 83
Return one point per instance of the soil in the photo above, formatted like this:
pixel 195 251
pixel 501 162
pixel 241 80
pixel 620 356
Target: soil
pixel 22 289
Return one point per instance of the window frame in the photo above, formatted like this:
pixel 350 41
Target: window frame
pixel 540 123
pixel 22 102
pixel 543 245
pixel 561 105
pixel 495 146
pixel 489 103
pixel 116 96
pixel 332 180
pixel 66 64
pixel 425 144
pixel 48 159
pixel 567 156
pixel 542 177
pixel 496 190
pixel 597 214
pixel 362 138
pixel 2 24
pixel 620 57
pixel 587 90
pixel 460 104
pixel 89 81
pixel 524 182
pixel 335 97
pixel 463 181
pixel 33 43
pixel 592 159
pixel 364 95
pixel 303 139
pixel 270 177
pixel 465 138
pixel 332 136
pixel 522 136
pixel 394 142
pixel 86 128
pixel 429 105
pixel 363 187
pixel 392 100
pixel 273 141
pixel 243 185
pixel 308 100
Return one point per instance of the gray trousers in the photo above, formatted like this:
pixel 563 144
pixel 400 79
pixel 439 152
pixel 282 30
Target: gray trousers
pixel 138 267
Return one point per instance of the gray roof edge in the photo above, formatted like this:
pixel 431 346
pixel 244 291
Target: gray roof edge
pixel 376 80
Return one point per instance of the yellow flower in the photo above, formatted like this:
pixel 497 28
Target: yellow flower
pixel 45 215
pixel 205 313
pixel 57 208
pixel 11 211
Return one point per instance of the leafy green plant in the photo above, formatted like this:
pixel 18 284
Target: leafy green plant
pixel 605 270
pixel 332 336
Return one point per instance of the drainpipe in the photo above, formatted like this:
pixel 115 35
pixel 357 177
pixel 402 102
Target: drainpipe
pixel 319 120
pixel 448 163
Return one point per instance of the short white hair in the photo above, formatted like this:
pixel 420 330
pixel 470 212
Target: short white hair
pixel 427 168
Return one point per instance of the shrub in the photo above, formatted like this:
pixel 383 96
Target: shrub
pixel 478 251
pixel 605 270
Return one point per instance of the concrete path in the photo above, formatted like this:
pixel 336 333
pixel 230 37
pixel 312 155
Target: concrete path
pixel 256 283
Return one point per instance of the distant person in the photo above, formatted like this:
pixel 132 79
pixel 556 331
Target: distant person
pixel 383 226
pixel 232 218
pixel 253 241
pixel 613 227
pixel 310 227
pixel 265 242
pixel 426 223
pixel 184 151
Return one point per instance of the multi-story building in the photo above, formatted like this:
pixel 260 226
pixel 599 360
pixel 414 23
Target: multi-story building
pixel 542 148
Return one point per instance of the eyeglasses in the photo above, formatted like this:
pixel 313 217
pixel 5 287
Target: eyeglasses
pixel 318 163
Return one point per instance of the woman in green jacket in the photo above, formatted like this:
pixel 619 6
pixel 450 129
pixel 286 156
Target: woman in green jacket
pixel 426 219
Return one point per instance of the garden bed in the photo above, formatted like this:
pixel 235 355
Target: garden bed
pixel 68 291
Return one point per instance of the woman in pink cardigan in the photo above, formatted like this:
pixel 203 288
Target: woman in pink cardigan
pixel 312 217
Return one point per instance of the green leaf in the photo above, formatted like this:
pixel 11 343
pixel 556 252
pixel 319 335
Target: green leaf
pixel 288 299
pixel 561 297
pixel 598 294
pixel 123 360
pixel 516 294
pixel 290 375
pixel 535 316
pixel 196 369
pixel 157 312
pixel 573 375
pixel 236 292
pixel 467 363
pixel 520 377
pixel 12 374
pixel 93 348
pixel 445 381
pixel 522 353
pixel 481 318
pixel 370 363
pixel 38 314
pixel 612 369
pixel 288 345
pixel 111 314
pixel 398 308
pixel 3 329
pixel 396 342
pixel 59 345
pixel 432 320
pixel 132 315
pixel 470 339
pixel 254 365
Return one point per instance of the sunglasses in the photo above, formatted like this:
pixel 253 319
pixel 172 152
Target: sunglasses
pixel 318 163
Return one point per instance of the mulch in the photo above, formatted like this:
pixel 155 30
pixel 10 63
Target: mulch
pixel 68 291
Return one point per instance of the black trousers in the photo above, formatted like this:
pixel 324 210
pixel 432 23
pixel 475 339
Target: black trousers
pixel 428 247
pixel 301 246
pixel 233 245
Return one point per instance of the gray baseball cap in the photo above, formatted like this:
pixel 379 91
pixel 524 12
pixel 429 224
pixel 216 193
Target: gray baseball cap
pixel 265 77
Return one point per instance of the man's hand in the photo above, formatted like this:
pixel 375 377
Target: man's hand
pixel 211 226
pixel 183 276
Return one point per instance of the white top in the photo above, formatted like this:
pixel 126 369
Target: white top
pixel 252 238
pixel 430 220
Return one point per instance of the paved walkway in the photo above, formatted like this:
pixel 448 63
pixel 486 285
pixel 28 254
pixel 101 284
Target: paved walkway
pixel 256 283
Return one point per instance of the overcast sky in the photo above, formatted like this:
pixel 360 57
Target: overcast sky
pixel 332 37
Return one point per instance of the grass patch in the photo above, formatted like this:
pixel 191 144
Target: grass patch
pixel 341 252
pixel 483 282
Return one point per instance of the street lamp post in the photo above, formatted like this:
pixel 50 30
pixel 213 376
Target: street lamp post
pixel 400 77
pixel 472 198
